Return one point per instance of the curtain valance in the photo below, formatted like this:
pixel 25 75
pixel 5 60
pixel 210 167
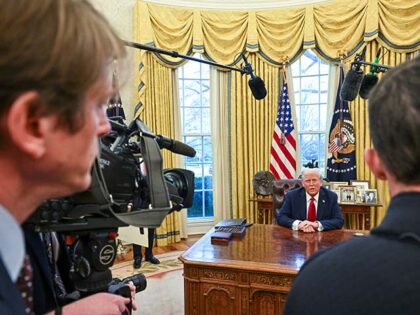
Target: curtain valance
pixel 331 28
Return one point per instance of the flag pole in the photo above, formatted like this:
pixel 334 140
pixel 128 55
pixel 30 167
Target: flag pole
pixel 340 82
pixel 283 70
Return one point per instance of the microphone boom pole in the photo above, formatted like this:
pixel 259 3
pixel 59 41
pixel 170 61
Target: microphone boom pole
pixel 175 54
pixel 380 67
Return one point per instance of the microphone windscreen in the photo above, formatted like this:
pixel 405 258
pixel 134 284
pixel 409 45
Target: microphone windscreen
pixel 369 81
pixel 351 85
pixel 182 148
pixel 257 87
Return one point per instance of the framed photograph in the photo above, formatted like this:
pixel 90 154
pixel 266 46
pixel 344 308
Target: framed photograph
pixel 371 196
pixel 335 185
pixel 347 194
pixel 361 186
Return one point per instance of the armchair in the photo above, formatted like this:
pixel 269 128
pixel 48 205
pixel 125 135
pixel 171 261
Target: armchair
pixel 280 188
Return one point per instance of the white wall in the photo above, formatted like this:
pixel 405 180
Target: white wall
pixel 120 14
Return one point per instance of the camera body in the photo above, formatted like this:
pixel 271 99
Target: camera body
pixel 129 187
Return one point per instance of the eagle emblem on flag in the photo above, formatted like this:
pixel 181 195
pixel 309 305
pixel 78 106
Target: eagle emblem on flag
pixel 341 140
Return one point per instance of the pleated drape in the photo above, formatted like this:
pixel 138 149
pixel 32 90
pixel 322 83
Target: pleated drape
pixel 252 124
pixel 268 37
pixel 329 28
pixel 158 112
pixel 359 112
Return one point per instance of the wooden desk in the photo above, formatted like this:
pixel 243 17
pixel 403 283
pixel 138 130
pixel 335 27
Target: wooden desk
pixel 251 275
pixel 266 215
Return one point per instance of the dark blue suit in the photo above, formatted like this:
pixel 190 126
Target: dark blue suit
pixel 294 208
pixel 44 293
pixel 11 302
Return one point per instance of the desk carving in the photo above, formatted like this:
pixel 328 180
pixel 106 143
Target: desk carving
pixel 251 275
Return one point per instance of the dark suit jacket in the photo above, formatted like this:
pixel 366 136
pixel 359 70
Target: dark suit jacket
pixel 44 293
pixel 294 208
pixel 375 274
pixel 11 302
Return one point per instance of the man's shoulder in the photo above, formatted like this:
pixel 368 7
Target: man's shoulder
pixel 327 192
pixel 296 191
pixel 348 275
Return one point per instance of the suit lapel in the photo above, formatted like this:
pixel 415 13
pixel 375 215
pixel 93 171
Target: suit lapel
pixel 9 294
pixel 321 204
pixel 302 203
pixel 37 248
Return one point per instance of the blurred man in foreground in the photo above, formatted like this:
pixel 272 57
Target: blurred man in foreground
pixel 380 273
pixel 55 76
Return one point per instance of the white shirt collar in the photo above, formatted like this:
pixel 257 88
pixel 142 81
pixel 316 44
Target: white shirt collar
pixel 308 197
pixel 12 245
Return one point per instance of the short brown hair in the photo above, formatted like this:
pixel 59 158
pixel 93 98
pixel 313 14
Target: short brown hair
pixel 394 118
pixel 56 47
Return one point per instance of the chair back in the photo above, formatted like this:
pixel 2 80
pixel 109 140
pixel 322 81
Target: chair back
pixel 280 188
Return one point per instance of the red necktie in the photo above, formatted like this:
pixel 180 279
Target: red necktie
pixel 24 285
pixel 311 210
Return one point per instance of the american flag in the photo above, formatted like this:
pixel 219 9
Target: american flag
pixel 283 147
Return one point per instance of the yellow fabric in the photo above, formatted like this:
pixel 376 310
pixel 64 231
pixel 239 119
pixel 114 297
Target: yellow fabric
pixel 225 34
pixel 252 125
pixel 359 112
pixel 158 114
pixel 271 36
pixel 339 26
pixel 330 27
pixel 399 25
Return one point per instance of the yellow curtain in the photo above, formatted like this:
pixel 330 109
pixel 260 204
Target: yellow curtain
pixel 275 33
pixel 268 36
pixel 158 113
pixel 359 112
pixel 252 125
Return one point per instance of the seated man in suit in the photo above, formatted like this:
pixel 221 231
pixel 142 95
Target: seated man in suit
pixel 310 208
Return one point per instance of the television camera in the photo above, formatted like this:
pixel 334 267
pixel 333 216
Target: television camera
pixel 129 187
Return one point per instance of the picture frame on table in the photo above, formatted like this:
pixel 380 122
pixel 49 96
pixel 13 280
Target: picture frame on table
pixel 347 194
pixel 371 196
pixel 335 185
pixel 361 186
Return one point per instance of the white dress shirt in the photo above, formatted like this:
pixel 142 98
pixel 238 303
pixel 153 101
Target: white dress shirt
pixel 12 245
pixel 308 200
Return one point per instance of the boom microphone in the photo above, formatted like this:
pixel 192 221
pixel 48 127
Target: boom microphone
pixel 353 79
pixel 256 84
pixel 351 84
pixel 175 146
pixel 370 79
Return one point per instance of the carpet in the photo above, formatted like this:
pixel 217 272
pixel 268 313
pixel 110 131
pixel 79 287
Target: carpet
pixel 164 294
pixel 168 262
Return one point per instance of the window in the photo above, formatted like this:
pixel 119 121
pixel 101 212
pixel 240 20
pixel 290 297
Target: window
pixel 194 91
pixel 310 83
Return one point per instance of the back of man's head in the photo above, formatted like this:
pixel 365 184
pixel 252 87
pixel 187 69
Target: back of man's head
pixel 394 118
